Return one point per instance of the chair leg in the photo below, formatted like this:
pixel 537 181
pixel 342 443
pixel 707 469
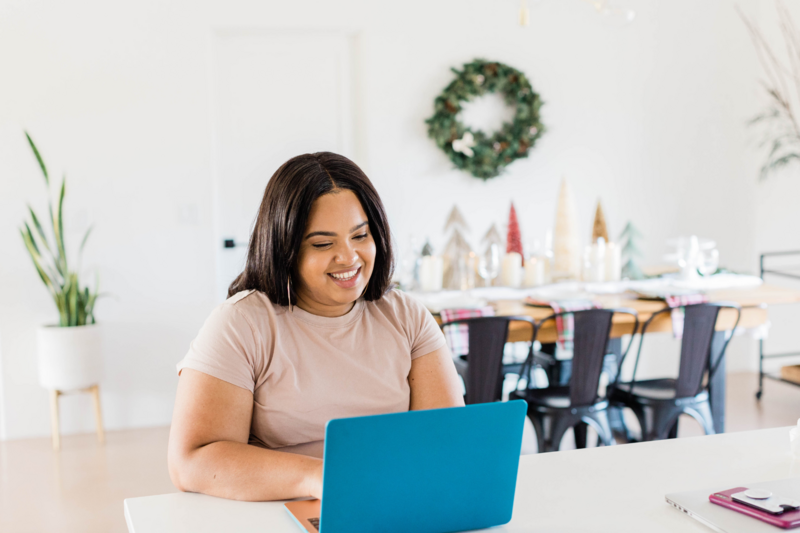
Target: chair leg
pixel 539 429
pixel 617 421
pixel 602 426
pixel 580 434
pixel 559 427
pixel 663 422
pixel 702 413
pixel 54 425
pixel 642 419
pixel 673 432
pixel 98 416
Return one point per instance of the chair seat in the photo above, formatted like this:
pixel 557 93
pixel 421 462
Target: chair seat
pixel 651 390
pixel 557 397
pixel 552 398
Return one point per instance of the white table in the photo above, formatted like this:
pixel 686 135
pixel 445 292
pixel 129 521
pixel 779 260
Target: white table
pixel 619 488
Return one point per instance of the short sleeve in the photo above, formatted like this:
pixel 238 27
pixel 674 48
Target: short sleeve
pixel 427 337
pixel 226 348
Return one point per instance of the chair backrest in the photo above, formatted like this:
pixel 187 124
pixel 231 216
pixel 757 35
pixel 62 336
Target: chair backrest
pixel 699 323
pixel 487 339
pixel 591 334
pixel 592 329
pixel 699 326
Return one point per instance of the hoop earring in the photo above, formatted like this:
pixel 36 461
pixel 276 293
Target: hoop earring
pixel 289 293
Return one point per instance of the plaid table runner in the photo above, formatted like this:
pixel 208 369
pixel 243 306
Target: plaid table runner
pixel 565 324
pixel 458 336
pixel 677 303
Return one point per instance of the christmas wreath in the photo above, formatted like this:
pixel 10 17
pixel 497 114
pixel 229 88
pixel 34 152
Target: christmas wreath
pixel 484 156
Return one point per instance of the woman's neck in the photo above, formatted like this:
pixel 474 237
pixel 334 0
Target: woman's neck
pixel 315 308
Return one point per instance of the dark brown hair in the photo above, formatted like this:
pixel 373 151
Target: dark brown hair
pixel 283 216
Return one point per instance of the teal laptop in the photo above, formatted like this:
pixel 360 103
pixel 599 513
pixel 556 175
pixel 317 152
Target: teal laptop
pixel 433 471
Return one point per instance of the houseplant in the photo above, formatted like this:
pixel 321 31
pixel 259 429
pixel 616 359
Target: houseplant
pixel 69 352
pixel 779 122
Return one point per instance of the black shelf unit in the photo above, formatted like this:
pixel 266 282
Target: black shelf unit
pixel 761 355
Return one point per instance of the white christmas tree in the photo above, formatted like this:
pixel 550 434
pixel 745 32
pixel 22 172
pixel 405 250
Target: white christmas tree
pixel 493 237
pixel 566 244
pixel 456 248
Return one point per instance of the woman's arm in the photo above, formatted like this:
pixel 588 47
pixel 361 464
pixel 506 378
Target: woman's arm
pixel 434 381
pixel 208 450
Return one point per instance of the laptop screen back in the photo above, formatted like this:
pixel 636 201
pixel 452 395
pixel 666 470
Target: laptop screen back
pixel 422 471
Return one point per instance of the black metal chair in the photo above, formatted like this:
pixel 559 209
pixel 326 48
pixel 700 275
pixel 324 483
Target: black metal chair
pixel 555 409
pixel 658 403
pixel 558 371
pixel 482 369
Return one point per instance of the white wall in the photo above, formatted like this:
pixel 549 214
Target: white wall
pixel 778 212
pixel 648 117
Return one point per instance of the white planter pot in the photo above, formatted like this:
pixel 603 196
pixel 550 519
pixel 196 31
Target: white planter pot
pixel 69 358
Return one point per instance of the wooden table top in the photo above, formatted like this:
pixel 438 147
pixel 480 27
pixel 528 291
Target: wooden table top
pixel 754 302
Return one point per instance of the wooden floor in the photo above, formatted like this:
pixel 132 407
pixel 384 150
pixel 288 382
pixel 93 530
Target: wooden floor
pixel 81 488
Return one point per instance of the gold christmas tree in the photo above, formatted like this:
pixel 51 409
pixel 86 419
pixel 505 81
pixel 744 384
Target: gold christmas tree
pixel 599 227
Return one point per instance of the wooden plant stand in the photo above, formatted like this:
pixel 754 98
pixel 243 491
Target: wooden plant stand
pixel 55 394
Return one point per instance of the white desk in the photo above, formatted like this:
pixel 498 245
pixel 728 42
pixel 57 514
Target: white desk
pixel 619 488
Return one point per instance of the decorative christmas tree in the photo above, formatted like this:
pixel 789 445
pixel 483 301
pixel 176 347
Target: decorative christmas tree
pixel 492 237
pixel 566 245
pixel 456 247
pixel 456 220
pixel 599 227
pixel 427 249
pixel 514 239
pixel 630 252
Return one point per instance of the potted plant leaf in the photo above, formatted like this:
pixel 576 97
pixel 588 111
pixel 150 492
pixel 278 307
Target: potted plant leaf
pixel 69 352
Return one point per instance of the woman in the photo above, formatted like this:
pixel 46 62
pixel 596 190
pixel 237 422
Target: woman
pixel 309 333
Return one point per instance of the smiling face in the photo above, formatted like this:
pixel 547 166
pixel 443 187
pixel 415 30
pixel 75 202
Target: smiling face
pixel 336 257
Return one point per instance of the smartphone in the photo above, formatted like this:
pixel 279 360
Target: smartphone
pixel 788 518
pixel 766 501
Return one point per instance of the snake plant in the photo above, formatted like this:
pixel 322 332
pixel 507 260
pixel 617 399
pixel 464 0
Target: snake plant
pixel 75 304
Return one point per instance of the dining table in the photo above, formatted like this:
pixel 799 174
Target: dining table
pixel 754 300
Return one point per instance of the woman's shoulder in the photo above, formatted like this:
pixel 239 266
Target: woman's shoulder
pixel 400 304
pixel 409 315
pixel 252 306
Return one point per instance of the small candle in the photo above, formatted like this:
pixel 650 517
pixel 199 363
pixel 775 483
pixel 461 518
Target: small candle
pixel 511 273
pixel 586 269
pixel 431 270
pixel 613 262
pixel 547 261
pixel 535 271
pixel 599 260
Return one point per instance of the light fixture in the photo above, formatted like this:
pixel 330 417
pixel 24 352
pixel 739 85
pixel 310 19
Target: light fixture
pixel 524 15
pixel 608 8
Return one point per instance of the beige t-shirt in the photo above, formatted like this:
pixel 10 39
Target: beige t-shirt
pixel 304 369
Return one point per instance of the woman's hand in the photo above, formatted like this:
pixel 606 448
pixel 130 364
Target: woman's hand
pixel 313 481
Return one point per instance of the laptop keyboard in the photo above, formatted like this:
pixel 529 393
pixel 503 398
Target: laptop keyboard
pixel 314 522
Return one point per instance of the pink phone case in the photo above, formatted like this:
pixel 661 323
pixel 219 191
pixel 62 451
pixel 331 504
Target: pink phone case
pixel 786 520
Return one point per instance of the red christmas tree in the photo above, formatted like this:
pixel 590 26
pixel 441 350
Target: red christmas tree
pixel 514 239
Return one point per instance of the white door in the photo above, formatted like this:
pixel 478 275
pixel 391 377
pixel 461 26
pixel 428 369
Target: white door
pixel 277 94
